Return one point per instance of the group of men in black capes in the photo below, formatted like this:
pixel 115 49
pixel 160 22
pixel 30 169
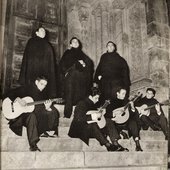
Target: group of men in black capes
pixel 73 81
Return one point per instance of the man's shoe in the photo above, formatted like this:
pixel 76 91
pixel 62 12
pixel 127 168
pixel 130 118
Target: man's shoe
pixel 138 148
pixel 54 136
pixel 45 135
pixel 121 148
pixel 111 148
pixel 34 148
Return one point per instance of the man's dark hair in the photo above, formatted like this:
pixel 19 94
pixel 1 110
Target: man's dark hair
pixel 80 44
pixel 151 89
pixel 113 45
pixel 41 78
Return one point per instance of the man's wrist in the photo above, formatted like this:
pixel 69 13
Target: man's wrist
pixel 48 109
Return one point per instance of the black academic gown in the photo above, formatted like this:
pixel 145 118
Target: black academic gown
pixel 114 71
pixel 79 127
pixel 76 79
pixel 38 60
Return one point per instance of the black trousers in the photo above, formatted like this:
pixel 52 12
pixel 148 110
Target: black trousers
pixel 30 122
pixel 131 126
pixel 160 121
pixel 101 134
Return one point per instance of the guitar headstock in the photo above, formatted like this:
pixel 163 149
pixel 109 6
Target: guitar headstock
pixel 166 102
pixel 135 97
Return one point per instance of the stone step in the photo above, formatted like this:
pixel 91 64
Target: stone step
pixel 70 144
pixel 152 167
pixel 63 132
pixel 52 160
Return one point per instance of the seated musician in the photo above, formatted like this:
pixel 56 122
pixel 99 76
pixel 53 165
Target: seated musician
pixel 80 128
pixel 43 117
pixel 127 123
pixel 153 117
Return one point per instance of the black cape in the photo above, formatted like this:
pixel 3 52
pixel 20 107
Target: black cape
pixel 114 71
pixel 79 127
pixel 76 79
pixel 38 60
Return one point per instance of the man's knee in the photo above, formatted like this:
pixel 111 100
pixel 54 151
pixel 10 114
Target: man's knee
pixel 31 118
pixel 144 118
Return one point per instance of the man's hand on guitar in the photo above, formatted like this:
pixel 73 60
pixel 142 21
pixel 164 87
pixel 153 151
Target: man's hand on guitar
pixel 48 104
pixel 132 106
pixel 158 109
pixel 22 102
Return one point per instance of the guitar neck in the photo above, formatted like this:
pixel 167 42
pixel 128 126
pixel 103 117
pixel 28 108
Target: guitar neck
pixel 150 107
pixel 104 106
pixel 42 101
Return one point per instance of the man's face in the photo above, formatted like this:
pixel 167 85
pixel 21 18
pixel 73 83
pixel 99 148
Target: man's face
pixel 149 94
pixel 41 84
pixel 110 47
pixel 95 98
pixel 41 32
pixel 74 43
pixel 121 94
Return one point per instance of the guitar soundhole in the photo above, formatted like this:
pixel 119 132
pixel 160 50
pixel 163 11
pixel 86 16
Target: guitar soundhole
pixel 123 114
pixel 12 106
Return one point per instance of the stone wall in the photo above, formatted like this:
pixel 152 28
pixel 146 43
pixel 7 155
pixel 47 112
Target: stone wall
pixel 2 31
pixel 124 22
pixel 138 27
pixel 23 18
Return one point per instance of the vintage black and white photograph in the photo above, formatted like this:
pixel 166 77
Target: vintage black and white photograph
pixel 84 84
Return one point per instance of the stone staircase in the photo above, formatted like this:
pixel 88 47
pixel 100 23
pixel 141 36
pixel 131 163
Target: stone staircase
pixel 64 153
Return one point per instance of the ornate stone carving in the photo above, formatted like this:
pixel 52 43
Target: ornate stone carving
pixel 137 64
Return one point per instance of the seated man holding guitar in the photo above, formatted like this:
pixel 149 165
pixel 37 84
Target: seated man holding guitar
pixel 123 115
pixel 86 125
pixel 20 109
pixel 151 113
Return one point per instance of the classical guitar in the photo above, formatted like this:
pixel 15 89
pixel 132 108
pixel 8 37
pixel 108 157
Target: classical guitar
pixel 100 121
pixel 145 109
pixel 12 110
pixel 121 115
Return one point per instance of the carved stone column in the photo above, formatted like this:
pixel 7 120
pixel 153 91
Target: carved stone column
pixel 158 45
pixel 83 13
pixel 98 31
pixel 105 30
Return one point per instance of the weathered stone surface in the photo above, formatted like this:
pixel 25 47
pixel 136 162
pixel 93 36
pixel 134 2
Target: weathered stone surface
pixel 124 159
pixel 158 42
pixel 155 15
pixel 158 29
pixel 71 144
pixel 114 168
pixel 18 160
pixel 51 160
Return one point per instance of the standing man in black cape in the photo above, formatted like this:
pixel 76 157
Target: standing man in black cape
pixel 112 71
pixel 76 70
pixel 38 59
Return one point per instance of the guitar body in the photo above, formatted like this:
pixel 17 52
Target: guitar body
pixel 120 115
pixel 101 123
pixel 143 110
pixel 14 110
